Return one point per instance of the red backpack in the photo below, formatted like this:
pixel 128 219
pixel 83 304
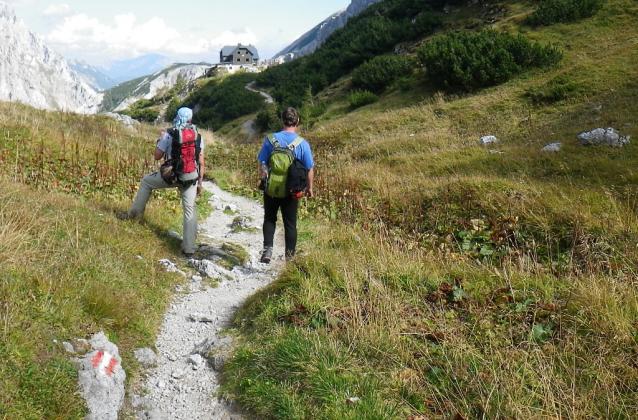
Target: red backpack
pixel 182 165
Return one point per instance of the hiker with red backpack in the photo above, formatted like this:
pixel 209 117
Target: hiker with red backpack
pixel 182 147
pixel 287 169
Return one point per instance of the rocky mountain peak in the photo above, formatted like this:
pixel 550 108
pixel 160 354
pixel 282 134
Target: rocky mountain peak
pixel 34 74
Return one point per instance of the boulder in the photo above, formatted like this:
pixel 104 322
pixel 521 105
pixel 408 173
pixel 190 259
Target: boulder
pixel 604 137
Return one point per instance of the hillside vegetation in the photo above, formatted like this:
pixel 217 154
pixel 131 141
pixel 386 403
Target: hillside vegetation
pixel 436 278
pixel 68 268
pixel 440 279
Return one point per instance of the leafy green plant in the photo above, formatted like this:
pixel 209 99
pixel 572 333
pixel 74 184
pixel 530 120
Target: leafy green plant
pixel 466 61
pixel 540 333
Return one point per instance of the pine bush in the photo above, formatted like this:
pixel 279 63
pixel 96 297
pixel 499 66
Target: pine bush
pixel 359 98
pixel 465 61
pixel 550 12
pixel 380 72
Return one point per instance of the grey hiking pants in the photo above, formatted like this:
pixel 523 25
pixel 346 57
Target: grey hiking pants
pixel 188 193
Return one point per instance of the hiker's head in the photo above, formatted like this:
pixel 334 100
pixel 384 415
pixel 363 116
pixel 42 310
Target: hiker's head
pixel 183 116
pixel 290 117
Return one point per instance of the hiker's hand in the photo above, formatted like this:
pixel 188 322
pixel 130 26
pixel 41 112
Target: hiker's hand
pixel 309 193
pixel 199 189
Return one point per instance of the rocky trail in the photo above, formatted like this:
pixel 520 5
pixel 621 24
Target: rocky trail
pixel 183 374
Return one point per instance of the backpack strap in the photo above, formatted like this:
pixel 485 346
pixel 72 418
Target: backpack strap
pixel 271 138
pixel 295 143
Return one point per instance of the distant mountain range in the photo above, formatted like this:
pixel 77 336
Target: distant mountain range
pixel 94 77
pixel 116 72
pixel 125 94
pixel 311 40
pixel 32 73
pixel 125 70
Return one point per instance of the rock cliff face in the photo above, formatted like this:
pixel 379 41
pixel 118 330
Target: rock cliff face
pixel 35 75
pixel 148 87
pixel 311 40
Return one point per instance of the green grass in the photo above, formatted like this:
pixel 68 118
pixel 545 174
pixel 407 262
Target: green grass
pixel 68 267
pixel 435 280
pixel 458 282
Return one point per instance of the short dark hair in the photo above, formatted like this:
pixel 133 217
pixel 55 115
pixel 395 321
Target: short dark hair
pixel 290 117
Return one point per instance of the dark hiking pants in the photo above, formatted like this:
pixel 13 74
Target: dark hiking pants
pixel 288 207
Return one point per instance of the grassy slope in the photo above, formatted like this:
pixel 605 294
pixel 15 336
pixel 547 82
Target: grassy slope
pixel 68 268
pixel 464 282
pixel 385 305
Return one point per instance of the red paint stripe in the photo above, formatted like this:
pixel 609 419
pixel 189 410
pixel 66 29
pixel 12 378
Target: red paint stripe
pixel 111 367
pixel 97 359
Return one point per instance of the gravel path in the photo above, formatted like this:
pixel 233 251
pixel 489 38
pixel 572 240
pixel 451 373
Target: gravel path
pixel 190 346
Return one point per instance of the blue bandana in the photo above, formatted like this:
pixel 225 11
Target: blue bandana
pixel 183 115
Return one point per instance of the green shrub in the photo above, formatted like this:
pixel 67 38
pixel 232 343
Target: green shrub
pixel 172 108
pixel 221 103
pixel 142 114
pixel 374 31
pixel 267 120
pixel 359 98
pixel 466 61
pixel 550 12
pixel 380 72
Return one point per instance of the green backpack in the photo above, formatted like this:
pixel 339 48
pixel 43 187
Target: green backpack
pixel 278 163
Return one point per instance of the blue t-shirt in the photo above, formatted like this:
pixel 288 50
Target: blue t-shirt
pixel 301 152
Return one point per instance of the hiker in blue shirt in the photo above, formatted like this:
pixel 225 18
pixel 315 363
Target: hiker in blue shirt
pixel 289 204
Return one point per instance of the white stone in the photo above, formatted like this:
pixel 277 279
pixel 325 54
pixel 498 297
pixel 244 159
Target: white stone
pixel 487 140
pixel 552 147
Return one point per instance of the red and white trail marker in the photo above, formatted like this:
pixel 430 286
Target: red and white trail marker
pixel 104 363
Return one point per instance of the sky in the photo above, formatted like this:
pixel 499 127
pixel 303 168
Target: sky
pixel 100 31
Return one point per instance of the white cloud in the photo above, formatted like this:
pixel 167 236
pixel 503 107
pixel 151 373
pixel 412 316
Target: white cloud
pixel 235 36
pixel 57 11
pixel 82 36
pixel 124 38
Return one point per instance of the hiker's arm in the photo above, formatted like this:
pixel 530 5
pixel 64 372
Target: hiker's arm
pixel 161 143
pixel 158 154
pixel 311 177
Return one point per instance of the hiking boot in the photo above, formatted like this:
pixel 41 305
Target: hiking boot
pixel 266 255
pixel 290 255
pixel 125 215
pixel 188 254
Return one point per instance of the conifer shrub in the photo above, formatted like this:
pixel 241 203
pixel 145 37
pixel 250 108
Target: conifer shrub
pixel 142 114
pixel 374 31
pixel 464 61
pixel 221 103
pixel 142 110
pixel 550 12
pixel 360 98
pixel 380 72
pixel 172 108
pixel 267 120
